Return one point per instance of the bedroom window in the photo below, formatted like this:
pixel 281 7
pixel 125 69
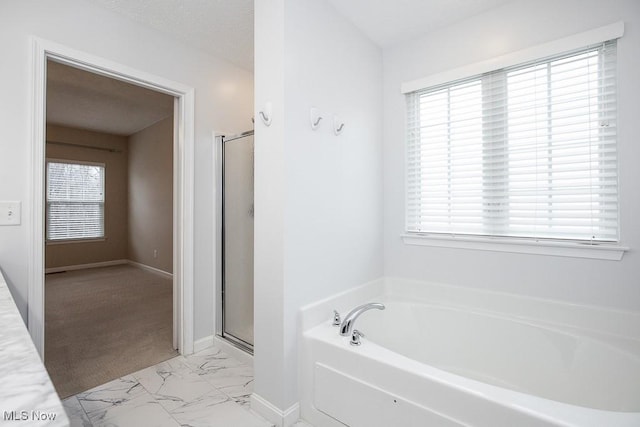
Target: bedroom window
pixel 522 152
pixel 75 200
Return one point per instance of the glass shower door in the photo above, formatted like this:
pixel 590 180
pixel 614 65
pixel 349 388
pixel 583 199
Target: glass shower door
pixel 237 240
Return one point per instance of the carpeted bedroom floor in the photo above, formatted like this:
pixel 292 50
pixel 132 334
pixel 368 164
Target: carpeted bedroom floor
pixel 103 323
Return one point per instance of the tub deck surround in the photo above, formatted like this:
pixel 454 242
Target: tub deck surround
pixel 26 391
pixel 316 313
pixel 452 356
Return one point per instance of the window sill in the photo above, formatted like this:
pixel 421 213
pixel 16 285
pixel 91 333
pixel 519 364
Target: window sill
pixel 612 252
pixel 69 241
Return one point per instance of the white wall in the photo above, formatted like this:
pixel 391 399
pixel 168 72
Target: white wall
pixel 320 191
pixel 223 95
pixel 514 26
pixel 268 257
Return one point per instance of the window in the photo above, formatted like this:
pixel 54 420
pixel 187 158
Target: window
pixel 526 151
pixel 75 201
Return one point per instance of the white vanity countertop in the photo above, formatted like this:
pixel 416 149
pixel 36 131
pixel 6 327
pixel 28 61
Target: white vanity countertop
pixel 27 396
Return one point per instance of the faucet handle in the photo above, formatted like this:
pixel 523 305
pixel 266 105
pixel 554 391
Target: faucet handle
pixel 355 337
pixel 336 318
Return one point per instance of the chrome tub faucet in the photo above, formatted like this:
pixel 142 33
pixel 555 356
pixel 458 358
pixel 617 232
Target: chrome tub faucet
pixel 347 324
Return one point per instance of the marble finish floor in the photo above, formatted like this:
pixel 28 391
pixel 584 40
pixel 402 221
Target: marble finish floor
pixel 207 388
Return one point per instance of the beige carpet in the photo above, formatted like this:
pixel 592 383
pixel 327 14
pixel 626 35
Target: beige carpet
pixel 103 323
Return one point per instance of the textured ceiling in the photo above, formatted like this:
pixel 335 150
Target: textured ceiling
pixel 81 99
pixel 388 22
pixel 224 28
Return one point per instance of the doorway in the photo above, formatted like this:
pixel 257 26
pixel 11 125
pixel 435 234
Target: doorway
pixel 108 228
pixel 237 208
pixel 182 204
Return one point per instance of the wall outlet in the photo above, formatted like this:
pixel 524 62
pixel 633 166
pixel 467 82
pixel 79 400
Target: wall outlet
pixel 10 213
pixel 155 253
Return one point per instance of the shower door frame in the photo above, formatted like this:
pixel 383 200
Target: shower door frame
pixel 220 141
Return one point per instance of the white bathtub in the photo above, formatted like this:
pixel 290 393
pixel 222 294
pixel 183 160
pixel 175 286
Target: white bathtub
pixel 433 359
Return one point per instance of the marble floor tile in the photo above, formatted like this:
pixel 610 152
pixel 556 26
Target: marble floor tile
pixel 148 415
pixel 242 387
pixel 243 400
pixel 211 413
pixel 141 403
pixel 111 394
pixel 113 398
pixel 77 416
pixel 212 360
pixel 173 383
pixel 233 380
pixel 208 388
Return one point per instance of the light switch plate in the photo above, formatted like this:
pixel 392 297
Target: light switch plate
pixel 10 213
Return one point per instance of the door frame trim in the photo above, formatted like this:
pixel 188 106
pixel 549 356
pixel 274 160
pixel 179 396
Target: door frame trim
pixel 183 180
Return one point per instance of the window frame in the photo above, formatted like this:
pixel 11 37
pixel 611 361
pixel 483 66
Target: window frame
pixel 102 203
pixel 543 246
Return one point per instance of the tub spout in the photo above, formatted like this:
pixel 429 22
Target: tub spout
pixel 349 319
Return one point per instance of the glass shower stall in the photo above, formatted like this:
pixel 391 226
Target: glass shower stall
pixel 235 207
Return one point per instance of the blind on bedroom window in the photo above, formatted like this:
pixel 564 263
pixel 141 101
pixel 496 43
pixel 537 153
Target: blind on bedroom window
pixel 75 201
pixel 527 151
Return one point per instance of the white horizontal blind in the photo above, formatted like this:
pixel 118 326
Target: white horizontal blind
pixel 528 151
pixel 75 201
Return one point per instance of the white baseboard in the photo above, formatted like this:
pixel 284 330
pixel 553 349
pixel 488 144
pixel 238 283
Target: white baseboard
pixel 233 351
pixel 280 418
pixel 108 264
pixel 151 269
pixel 83 266
pixel 203 343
